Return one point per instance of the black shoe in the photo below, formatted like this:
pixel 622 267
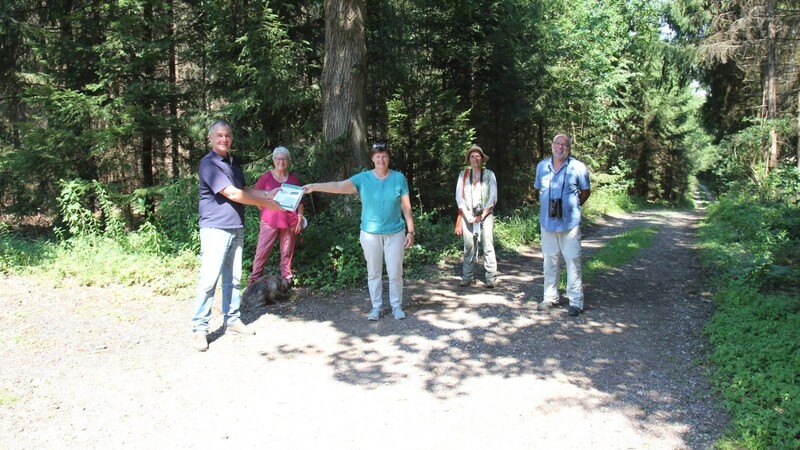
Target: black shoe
pixel 575 311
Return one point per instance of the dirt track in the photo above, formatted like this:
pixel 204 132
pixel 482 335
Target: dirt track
pixel 469 369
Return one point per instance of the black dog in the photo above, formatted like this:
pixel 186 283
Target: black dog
pixel 265 290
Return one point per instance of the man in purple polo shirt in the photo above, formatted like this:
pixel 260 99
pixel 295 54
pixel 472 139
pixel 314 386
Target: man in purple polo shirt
pixel 223 195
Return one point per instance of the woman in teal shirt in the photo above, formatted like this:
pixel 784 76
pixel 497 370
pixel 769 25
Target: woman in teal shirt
pixel 387 225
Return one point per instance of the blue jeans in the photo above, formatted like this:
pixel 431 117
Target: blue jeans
pixel 220 254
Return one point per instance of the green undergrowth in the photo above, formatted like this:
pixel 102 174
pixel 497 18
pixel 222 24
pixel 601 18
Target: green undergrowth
pixel 18 253
pixel 99 261
pixel 757 364
pixel 91 247
pixel 329 255
pixel 752 243
pixel 114 262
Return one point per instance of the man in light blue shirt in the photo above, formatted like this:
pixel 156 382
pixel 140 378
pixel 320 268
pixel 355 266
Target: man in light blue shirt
pixel 563 186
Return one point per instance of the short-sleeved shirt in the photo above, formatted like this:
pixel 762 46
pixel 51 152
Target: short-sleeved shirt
pixel 216 210
pixel 380 201
pixel 277 219
pixel 566 184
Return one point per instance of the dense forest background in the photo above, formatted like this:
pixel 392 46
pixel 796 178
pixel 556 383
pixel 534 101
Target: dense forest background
pixel 104 109
pixel 121 92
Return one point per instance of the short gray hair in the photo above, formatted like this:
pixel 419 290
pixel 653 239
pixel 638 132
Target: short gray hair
pixel 219 123
pixel 281 151
pixel 569 139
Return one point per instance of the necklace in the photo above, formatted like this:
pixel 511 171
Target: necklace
pixel 379 176
pixel 476 176
pixel 280 178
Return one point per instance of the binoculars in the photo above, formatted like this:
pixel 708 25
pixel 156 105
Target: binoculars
pixel 555 208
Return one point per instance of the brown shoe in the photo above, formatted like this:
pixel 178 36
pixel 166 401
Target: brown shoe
pixel 199 342
pixel 545 306
pixel 239 328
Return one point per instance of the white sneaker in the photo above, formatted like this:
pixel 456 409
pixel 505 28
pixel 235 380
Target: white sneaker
pixel 398 313
pixel 375 314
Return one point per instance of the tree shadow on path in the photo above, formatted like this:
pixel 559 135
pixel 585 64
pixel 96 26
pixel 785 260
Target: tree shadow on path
pixel 639 343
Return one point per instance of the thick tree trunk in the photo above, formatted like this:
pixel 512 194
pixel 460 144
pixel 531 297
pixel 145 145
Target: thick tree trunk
pixel 344 81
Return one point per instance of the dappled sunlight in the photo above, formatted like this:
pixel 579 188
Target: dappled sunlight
pixel 485 298
pixel 592 326
pixel 464 343
pixel 475 336
pixel 515 278
pixel 455 315
pixel 441 292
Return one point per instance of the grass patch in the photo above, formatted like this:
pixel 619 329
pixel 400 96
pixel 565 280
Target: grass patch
pixel 603 201
pixel 517 230
pixel 18 253
pixel 99 261
pixel 620 249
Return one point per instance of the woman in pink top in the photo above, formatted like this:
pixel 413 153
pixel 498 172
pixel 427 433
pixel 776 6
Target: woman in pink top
pixel 283 225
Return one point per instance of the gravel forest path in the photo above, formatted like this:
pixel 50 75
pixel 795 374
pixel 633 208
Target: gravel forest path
pixel 111 368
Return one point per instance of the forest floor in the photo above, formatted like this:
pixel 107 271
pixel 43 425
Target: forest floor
pixel 470 368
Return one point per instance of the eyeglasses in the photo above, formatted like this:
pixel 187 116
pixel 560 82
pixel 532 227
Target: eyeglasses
pixel 379 145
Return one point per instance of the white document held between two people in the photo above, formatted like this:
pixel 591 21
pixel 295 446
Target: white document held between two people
pixel 289 196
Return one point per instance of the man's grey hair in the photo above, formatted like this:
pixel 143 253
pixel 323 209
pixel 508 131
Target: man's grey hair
pixel 219 123
pixel 569 139
pixel 281 151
